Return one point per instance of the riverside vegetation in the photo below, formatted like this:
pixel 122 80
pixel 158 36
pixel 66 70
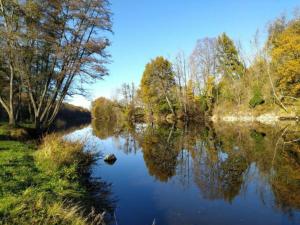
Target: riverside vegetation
pixel 218 80
pixel 51 184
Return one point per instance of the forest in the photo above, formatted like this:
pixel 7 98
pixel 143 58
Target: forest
pixel 217 79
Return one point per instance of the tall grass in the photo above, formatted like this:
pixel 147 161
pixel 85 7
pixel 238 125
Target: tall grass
pixel 47 187
pixel 56 153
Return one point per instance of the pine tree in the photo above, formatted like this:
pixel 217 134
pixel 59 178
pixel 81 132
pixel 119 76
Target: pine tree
pixel 229 63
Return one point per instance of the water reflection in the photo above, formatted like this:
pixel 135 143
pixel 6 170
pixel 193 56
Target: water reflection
pixel 221 160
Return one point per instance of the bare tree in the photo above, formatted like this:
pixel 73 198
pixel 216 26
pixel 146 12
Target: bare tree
pixel 9 35
pixel 59 48
pixel 203 61
pixel 181 69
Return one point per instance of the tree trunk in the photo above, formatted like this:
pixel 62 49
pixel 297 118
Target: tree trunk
pixel 170 105
pixel 37 124
pixel 12 121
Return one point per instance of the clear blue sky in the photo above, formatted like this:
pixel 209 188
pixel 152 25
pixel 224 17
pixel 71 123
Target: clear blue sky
pixel 144 29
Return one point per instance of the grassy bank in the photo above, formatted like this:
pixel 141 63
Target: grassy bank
pixel 49 184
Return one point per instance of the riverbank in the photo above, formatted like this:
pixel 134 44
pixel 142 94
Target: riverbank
pixel 265 117
pixel 47 183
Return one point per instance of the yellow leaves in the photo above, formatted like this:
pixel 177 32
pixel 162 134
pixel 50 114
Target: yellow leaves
pixel 286 59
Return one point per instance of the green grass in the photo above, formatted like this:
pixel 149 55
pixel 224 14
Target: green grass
pixel 15 133
pixel 4 131
pixel 36 188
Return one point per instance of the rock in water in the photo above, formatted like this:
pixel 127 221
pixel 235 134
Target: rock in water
pixel 110 159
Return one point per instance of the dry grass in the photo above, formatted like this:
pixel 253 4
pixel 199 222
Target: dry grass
pixel 56 152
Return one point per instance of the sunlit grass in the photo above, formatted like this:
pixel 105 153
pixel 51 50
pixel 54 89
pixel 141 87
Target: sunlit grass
pixel 44 186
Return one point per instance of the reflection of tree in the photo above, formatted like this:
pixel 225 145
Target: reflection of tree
pixel 130 145
pixel 104 129
pixel 129 135
pixel 99 198
pixel 159 152
pixel 217 158
pixel 275 156
pixel 221 179
pixel 286 180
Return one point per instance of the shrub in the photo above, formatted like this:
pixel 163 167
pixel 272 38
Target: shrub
pixel 257 98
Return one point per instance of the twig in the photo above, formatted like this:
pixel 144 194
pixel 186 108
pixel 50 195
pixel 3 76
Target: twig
pixel 288 142
pixel 275 151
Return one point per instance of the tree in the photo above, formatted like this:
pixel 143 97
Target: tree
pixel 285 53
pixel 229 63
pixel 203 61
pixel 104 110
pixel 54 47
pixel 231 68
pixel 181 72
pixel 9 35
pixel 156 86
pixel 128 92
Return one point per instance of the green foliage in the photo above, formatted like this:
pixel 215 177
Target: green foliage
pixel 257 98
pixel 203 103
pixel 157 86
pixel 104 109
pixel 229 63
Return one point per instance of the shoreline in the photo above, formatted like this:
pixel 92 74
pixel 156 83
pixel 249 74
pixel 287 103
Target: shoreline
pixel 266 118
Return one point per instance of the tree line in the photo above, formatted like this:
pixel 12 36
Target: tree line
pixel 48 50
pixel 217 77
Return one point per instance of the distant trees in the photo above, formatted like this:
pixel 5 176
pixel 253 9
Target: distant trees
pixel 128 100
pixel 49 49
pixel 215 78
pixel 203 63
pixel 104 109
pixel 157 86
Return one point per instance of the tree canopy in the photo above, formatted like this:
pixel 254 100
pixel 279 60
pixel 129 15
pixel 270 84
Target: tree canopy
pixel 156 86
pixel 285 54
pixel 49 50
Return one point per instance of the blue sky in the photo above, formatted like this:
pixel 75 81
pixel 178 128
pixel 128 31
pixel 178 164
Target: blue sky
pixel 144 29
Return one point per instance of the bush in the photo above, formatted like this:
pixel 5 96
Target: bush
pixel 257 99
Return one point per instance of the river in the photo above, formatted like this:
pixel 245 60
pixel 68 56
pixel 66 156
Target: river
pixel 218 174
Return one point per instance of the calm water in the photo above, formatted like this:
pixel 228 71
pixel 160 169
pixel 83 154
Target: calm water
pixel 216 175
